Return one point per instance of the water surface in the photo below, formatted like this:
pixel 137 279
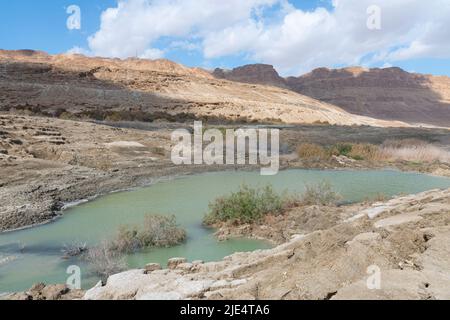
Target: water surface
pixel 37 251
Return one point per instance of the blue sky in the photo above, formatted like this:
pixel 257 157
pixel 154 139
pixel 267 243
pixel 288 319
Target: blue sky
pixel 259 32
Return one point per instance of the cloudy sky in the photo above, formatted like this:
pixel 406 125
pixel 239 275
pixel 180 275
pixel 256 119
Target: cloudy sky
pixel 293 35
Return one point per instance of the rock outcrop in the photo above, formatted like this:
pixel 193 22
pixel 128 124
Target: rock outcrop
pixel 253 73
pixel 41 291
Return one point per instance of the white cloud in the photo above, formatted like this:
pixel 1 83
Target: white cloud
pixel 152 54
pixel 273 31
pixel 79 50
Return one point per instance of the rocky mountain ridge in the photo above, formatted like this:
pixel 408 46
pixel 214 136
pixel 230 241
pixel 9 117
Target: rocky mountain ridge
pixel 389 93
pixel 79 87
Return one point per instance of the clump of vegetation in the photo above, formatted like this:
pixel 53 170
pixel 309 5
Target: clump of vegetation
pixel 104 261
pixel 364 151
pixel 320 194
pixel 156 231
pixel 341 149
pixel 108 257
pixel 312 151
pixel 246 206
pixel 74 249
pixel 357 151
pixel 413 150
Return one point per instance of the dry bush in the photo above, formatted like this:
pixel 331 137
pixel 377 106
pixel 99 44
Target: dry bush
pixel 312 151
pixel 321 193
pixel 74 249
pixel 161 231
pixel 364 151
pixel 104 261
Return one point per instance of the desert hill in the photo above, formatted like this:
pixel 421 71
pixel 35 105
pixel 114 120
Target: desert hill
pixel 75 86
pixel 389 93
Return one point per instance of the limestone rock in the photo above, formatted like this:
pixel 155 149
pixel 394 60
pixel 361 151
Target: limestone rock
pixel 174 262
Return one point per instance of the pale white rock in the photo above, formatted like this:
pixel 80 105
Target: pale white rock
pixel 238 282
pixel 367 238
pixel 398 219
pixel 152 267
pixel 174 262
pixel 185 266
pixel 161 296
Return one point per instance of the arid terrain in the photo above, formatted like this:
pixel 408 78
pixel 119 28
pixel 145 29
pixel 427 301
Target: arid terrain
pixel 389 94
pixel 73 127
pixel 73 86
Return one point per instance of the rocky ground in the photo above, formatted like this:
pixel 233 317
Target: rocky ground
pixel 330 254
pixel 46 163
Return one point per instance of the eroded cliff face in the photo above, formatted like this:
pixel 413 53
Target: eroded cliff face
pixel 76 86
pixel 253 73
pixel 389 94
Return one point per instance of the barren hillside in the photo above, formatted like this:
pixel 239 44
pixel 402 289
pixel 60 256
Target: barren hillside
pixel 74 86
pixel 389 94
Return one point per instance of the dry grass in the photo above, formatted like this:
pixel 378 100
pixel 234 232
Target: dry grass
pixel 312 151
pixel 364 151
pixel 413 150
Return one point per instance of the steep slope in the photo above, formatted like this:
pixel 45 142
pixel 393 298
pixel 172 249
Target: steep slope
pixel 389 94
pixel 76 86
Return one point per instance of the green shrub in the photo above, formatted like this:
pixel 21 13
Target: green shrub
pixel 341 149
pixel 245 206
pixel 321 193
pixel 155 231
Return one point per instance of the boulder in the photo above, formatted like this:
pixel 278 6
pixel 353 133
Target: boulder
pixel 174 262
pixel 152 267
